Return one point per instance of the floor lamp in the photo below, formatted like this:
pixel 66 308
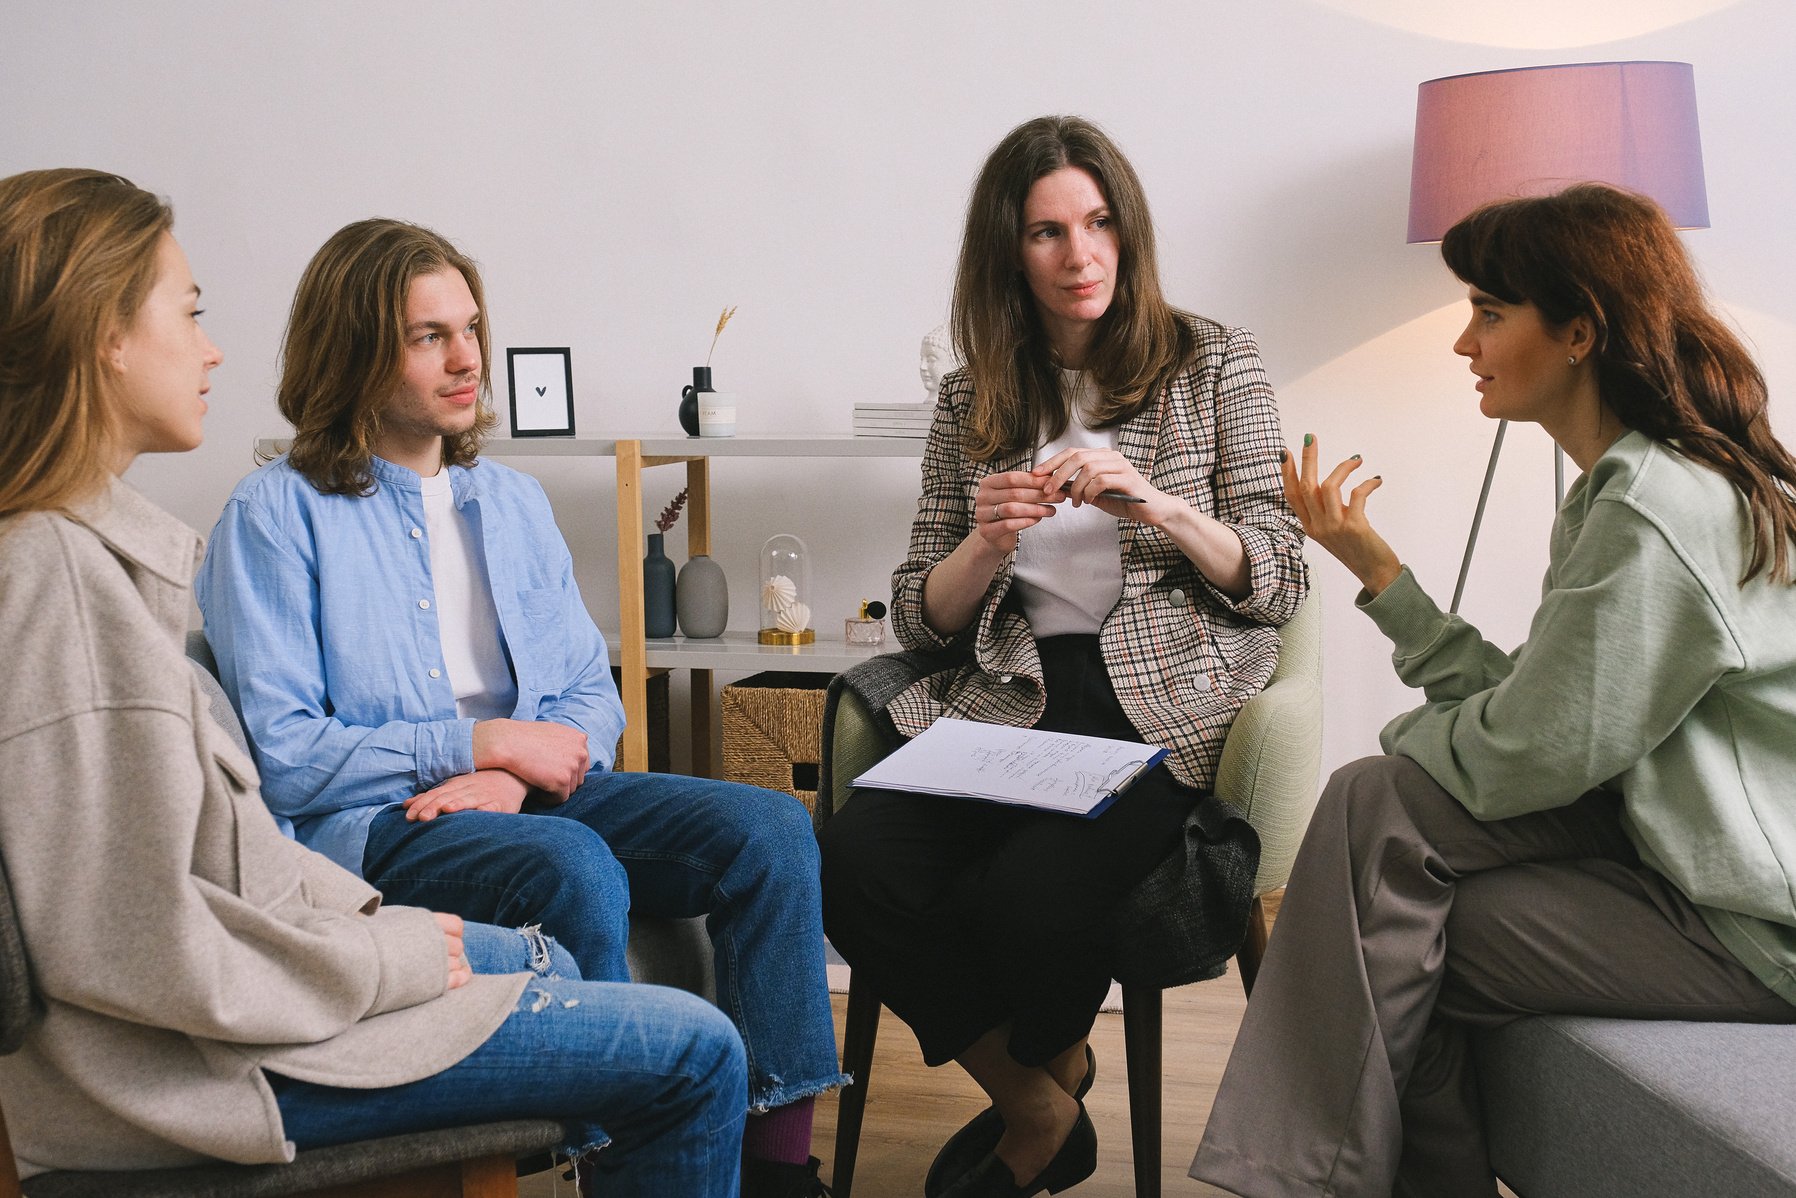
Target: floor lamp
pixel 1532 131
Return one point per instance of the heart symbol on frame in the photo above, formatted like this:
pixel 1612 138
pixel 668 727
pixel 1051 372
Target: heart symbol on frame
pixel 542 390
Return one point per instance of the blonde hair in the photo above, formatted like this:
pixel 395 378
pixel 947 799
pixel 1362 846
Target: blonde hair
pixel 345 349
pixel 77 256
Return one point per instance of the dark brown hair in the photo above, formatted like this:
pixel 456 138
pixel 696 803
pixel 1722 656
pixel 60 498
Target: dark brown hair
pixel 1665 363
pixel 77 256
pixel 997 330
pixel 345 349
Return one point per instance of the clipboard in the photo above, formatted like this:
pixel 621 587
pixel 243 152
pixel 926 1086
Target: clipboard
pixel 1026 767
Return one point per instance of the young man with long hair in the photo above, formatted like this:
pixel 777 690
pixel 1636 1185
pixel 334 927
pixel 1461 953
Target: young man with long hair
pixel 431 705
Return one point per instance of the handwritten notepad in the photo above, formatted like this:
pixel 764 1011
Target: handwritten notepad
pixel 1055 771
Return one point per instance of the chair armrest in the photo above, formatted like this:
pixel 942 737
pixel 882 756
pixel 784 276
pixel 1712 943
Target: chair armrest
pixel 856 730
pixel 1268 770
pixel 856 745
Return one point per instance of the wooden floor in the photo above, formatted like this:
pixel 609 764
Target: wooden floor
pixel 911 1109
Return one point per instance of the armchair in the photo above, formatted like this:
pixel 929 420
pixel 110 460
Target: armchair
pixel 1268 771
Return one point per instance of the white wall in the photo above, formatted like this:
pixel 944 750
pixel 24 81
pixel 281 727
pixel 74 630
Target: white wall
pixel 624 171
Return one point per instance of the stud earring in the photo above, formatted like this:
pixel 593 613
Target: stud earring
pixel 1572 360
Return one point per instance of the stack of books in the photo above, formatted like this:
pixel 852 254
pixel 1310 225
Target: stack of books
pixel 893 419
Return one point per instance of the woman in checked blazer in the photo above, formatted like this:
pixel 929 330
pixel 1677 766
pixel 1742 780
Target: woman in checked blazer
pixel 1103 543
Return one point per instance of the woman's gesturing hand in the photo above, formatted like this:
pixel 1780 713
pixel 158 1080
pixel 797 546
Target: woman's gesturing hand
pixel 1339 526
pixel 1006 504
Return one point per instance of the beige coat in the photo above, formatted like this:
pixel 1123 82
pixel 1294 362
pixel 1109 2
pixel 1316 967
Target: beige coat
pixel 180 944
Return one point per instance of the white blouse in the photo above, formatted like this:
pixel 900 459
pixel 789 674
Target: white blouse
pixel 1069 567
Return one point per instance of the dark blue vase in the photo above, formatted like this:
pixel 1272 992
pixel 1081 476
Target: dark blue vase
pixel 657 591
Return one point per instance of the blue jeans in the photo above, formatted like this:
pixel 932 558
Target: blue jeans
pixel 743 857
pixel 655 1073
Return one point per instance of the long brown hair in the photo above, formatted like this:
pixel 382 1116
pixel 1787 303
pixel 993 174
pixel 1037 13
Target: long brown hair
pixel 997 331
pixel 77 256
pixel 345 349
pixel 1665 363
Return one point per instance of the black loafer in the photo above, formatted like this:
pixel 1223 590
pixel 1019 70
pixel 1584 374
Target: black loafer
pixel 1076 1160
pixel 776 1179
pixel 975 1141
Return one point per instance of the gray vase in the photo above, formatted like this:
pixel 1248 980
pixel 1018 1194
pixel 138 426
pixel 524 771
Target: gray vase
pixel 702 596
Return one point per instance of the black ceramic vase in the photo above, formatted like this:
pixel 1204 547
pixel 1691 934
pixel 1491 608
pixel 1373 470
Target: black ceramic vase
pixel 657 591
pixel 701 381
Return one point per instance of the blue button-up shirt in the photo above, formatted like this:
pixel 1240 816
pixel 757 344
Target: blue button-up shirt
pixel 322 613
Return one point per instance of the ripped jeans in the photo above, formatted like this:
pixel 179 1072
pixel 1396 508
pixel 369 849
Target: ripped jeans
pixel 653 1076
pixel 657 844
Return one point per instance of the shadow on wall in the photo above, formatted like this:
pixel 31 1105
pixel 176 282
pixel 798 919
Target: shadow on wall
pixel 1349 213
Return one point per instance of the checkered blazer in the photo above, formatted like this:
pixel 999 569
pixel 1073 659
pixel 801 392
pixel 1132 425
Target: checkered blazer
pixel 1182 655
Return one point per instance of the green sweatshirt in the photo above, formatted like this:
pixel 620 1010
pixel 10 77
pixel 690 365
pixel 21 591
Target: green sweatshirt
pixel 1648 670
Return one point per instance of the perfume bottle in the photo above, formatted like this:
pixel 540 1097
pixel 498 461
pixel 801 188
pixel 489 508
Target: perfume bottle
pixel 869 628
pixel 786 592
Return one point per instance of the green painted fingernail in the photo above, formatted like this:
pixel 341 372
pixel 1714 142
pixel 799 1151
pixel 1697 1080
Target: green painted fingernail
pixel 1309 439
pixel 1356 457
pixel 1282 455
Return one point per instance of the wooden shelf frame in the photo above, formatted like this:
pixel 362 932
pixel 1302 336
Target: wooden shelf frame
pixel 632 640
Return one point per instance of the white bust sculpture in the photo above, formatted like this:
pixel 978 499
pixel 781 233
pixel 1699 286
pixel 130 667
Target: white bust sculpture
pixel 937 359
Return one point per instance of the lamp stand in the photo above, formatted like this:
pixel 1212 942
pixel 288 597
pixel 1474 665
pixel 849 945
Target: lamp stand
pixel 1490 472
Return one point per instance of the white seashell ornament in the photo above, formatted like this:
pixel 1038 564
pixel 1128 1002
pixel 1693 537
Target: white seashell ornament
pixel 778 591
pixel 793 617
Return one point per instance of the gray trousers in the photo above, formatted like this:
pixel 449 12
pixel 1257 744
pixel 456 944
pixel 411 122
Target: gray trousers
pixel 1407 923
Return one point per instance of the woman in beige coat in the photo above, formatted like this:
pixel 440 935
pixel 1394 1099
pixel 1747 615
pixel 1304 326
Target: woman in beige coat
pixel 209 988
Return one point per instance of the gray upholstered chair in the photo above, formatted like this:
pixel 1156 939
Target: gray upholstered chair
pixel 1582 1107
pixel 1268 772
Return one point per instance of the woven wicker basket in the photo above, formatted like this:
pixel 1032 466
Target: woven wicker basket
pixel 773 732
pixel 660 751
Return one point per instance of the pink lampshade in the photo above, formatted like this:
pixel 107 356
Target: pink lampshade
pixel 1498 134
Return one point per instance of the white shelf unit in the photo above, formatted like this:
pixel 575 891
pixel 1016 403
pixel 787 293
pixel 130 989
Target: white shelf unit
pixel 631 651
pixel 741 652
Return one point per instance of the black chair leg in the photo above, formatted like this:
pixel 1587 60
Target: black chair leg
pixel 861 1030
pixel 1141 1050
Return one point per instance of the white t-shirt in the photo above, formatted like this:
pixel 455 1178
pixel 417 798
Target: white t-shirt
pixel 467 621
pixel 1069 567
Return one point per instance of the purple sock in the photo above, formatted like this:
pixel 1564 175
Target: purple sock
pixel 783 1134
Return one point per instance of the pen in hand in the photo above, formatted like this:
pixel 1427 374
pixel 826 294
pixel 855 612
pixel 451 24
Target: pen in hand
pixel 1068 485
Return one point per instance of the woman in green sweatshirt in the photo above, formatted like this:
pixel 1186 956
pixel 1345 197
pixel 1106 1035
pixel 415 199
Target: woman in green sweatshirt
pixel 1601 822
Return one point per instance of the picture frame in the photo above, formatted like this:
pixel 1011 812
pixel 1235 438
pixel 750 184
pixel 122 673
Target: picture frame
pixel 542 391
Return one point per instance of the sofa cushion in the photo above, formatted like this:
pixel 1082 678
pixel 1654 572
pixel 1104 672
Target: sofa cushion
pixel 1590 1108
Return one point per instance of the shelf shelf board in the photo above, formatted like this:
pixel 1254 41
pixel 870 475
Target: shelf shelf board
pixel 740 651
pixel 659 445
